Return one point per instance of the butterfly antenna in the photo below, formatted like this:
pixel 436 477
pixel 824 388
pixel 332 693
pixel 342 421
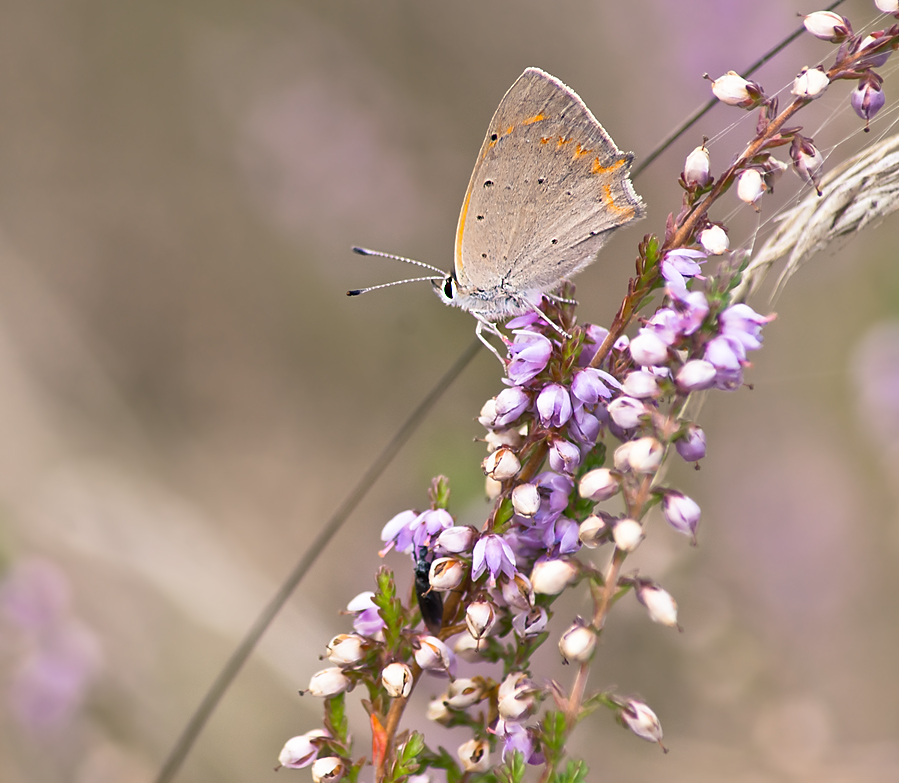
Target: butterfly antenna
pixel 364 251
pixel 358 291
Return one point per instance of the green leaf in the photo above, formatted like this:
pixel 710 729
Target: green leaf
pixel 575 772
pixel 512 769
pixel 390 608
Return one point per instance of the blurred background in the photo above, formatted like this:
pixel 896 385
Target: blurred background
pixel 186 394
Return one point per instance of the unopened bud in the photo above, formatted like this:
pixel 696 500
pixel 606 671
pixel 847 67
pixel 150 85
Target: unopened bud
pixel 347 648
pixel 641 720
pixel 526 500
pixel 734 90
pixel 696 167
pixel 681 512
pixel 592 531
pixel 474 755
pixel 811 83
pixel 577 643
pixel 492 488
pixel 531 623
pixel 480 617
pixel 502 464
pixel 887 6
pixel 645 455
pixel 397 679
pixel 551 577
pixel 750 186
pixel 828 26
pixel 691 443
pixel 457 539
pixel 695 375
pixel 517 592
pixel 659 603
pixel 446 573
pixel 328 769
pixel 463 692
pixel 627 412
pixel 328 682
pixel 432 654
pixel 648 349
pixel 627 534
pixel 299 752
pixel 599 484
pixel 641 385
pixel 714 240
pixel 867 98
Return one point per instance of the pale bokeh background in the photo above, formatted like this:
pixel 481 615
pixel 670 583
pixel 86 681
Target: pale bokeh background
pixel 186 394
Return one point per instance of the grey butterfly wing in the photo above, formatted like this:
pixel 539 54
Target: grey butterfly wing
pixel 548 188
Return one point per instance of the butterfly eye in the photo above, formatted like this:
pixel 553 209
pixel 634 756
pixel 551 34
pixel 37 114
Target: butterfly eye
pixel 449 287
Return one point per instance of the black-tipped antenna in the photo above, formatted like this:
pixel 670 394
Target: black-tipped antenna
pixel 358 291
pixel 364 251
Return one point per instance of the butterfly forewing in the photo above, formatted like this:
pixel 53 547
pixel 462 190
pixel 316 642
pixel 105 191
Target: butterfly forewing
pixel 547 185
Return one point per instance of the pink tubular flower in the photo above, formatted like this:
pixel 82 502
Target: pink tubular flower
pixel 510 404
pixel 554 405
pixel 530 352
pixel 491 553
pixel 368 621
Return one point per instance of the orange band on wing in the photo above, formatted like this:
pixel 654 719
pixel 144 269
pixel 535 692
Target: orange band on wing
pixel 607 199
pixel 598 168
pixel 532 120
pixel 459 230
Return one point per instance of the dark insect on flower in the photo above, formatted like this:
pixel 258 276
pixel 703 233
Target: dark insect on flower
pixel 430 602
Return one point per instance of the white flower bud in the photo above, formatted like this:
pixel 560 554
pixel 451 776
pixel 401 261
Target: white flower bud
pixel 750 186
pixel 732 89
pixel 627 534
pixel 328 769
pixel 488 413
pixel 714 240
pixel 432 654
pixel 526 500
pixel 397 679
pixel 887 6
pixel 346 649
pixel 515 697
pixel 827 26
pixel 641 385
pixel 474 755
pixel 621 457
pixel 502 464
pixel 531 623
pixel 518 592
pixel 627 412
pixel 480 617
pixel 496 439
pixel 446 573
pixel 328 682
pixel 437 710
pixel 641 720
pixel 648 349
pixel 659 603
pixel 598 484
pixel 696 167
pixel 468 648
pixel 577 643
pixel 551 577
pixel 592 531
pixel 464 692
pixel 492 488
pixel 645 455
pixel 299 752
pixel 811 83
pixel 695 375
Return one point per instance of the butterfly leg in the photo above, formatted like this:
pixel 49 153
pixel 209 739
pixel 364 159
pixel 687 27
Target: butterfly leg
pixel 479 331
pixel 547 320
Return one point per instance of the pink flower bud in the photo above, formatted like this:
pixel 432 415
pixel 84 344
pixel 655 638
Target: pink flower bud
pixel 811 83
pixel 598 485
pixel 690 444
pixel 517 592
pixel 750 186
pixel 641 385
pixel 641 720
pixel 551 577
pixel 682 513
pixel 867 98
pixel 714 240
pixel 577 643
pixel 627 412
pixel 397 679
pixel 648 349
pixel 695 375
pixel 457 539
pixel 501 465
pixel 696 167
pixel 432 654
pixel 828 26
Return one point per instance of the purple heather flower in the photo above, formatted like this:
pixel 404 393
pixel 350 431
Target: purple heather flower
pixel 562 533
pixel 564 457
pixel 367 621
pixel 517 737
pixel 679 264
pixel 584 426
pixel 725 353
pixel 398 532
pixel 696 167
pixel 681 512
pixel 867 98
pixel 457 539
pixel 627 412
pixel 510 404
pixel 530 623
pixel 524 321
pixel 695 375
pixel 878 59
pixel 409 529
pixel 648 348
pixel 595 337
pixel 491 553
pixel 692 308
pixel 744 324
pixel 641 384
pixel 554 405
pixel 691 446
pixel 590 385
pixel 529 354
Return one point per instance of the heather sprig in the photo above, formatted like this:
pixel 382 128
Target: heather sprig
pixel 576 446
